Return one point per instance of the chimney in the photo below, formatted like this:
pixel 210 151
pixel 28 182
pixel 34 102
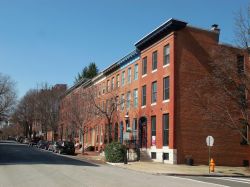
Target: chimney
pixel 215 28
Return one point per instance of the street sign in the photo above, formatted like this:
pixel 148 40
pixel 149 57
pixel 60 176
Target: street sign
pixel 126 136
pixel 210 141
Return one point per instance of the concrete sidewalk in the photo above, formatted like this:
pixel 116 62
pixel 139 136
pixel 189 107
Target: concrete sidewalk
pixel 184 170
pixel 168 169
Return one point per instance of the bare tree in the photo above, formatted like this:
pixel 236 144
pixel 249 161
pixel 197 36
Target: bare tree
pixel 40 106
pixel 220 96
pixel 242 27
pixel 109 106
pixel 7 95
pixel 79 113
pixel 24 113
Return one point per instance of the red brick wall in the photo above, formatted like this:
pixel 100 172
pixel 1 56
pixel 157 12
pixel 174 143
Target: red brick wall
pixel 191 130
pixel 160 108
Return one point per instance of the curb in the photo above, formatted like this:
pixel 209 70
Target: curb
pixel 179 174
pixel 201 175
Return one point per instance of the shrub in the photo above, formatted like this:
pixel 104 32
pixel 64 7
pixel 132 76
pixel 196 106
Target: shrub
pixel 115 152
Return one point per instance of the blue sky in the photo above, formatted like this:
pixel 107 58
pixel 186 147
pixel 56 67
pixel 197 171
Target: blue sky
pixel 52 40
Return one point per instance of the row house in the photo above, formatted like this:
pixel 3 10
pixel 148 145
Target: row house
pixel 147 96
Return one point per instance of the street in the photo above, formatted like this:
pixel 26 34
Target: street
pixel 21 165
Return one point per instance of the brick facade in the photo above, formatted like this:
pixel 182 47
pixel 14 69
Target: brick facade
pixel 188 57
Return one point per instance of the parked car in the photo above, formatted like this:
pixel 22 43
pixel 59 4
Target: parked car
pixel 26 141
pixel 34 142
pixel 20 139
pixel 52 146
pixel 42 144
pixel 66 147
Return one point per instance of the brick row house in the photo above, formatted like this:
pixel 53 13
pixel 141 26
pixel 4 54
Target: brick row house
pixel 152 89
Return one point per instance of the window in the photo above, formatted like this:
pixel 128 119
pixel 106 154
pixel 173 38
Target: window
pixel 128 100
pixel 165 156
pixel 122 102
pixel 97 134
pixel 136 72
pixel 116 102
pixel 103 88
pixel 240 64
pixel 135 98
pixel 165 125
pixel 242 95
pixel 166 53
pixel 118 81
pixel 165 88
pixel 112 83
pixel 100 135
pixel 134 129
pixel 86 137
pixel 144 66
pixel 108 85
pixel 143 101
pixel 153 130
pixel 129 75
pixel 153 155
pixel 244 131
pixel 154 60
pixel 127 125
pixel 123 78
pixel 107 106
pixel 154 92
pixel 103 105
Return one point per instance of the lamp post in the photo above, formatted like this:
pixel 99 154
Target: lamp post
pixel 127 122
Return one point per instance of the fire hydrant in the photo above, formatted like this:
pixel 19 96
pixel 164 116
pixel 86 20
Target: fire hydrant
pixel 212 165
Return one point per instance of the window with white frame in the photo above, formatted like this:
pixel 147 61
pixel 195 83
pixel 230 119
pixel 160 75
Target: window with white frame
pixel 136 72
pixel 166 55
pixel 144 66
pixel 123 78
pixel 128 100
pixel 144 96
pixel 154 92
pixel 165 88
pixel 135 98
pixel 118 81
pixel 154 60
pixel 129 75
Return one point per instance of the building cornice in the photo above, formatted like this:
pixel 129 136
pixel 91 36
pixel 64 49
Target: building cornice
pixel 161 31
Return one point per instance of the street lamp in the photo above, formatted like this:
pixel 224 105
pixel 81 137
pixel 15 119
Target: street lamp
pixel 127 122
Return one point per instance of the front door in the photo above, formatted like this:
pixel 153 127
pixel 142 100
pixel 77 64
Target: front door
pixel 144 136
pixel 143 132
pixel 93 137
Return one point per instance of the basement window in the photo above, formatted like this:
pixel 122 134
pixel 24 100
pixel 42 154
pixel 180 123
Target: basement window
pixel 165 156
pixel 153 155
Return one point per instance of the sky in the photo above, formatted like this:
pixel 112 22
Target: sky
pixel 50 41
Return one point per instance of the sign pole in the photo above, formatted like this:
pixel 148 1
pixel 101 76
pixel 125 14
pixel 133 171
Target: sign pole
pixel 208 159
pixel 210 142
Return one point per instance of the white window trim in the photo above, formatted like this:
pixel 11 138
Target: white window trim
pixel 144 106
pixel 166 65
pixel 144 75
pixel 155 70
pixel 166 101
pixel 153 104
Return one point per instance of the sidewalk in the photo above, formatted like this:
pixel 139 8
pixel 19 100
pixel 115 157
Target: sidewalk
pixel 92 156
pixel 168 169
pixel 184 170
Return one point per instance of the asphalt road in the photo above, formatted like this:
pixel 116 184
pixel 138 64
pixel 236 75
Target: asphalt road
pixel 21 165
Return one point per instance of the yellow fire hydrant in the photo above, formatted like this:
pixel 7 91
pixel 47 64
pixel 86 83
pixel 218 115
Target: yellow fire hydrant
pixel 212 165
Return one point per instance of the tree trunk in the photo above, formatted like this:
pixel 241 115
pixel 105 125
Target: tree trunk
pixel 82 143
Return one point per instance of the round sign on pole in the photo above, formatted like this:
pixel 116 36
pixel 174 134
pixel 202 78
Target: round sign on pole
pixel 210 141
